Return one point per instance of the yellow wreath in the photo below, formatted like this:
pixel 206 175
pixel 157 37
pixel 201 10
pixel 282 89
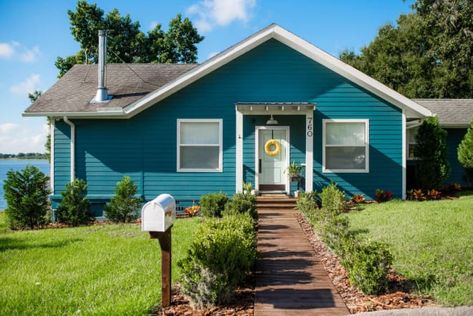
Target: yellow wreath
pixel 272 147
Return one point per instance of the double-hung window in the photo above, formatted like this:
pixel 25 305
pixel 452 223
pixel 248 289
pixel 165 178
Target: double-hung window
pixel 411 143
pixel 345 145
pixel 199 145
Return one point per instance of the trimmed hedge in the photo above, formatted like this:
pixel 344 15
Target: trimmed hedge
pixel 219 259
pixel 224 251
pixel 366 262
pixel 240 204
pixel 213 204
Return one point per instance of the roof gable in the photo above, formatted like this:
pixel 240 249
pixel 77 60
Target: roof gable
pixel 276 32
pixel 411 108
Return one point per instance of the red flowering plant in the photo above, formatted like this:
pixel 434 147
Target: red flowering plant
pixel 193 210
pixel 383 196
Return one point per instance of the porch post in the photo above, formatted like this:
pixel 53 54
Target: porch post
pixel 239 151
pixel 309 150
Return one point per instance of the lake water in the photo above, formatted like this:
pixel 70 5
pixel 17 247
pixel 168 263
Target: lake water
pixel 18 164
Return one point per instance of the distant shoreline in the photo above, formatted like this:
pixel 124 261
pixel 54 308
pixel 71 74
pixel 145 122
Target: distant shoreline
pixel 32 158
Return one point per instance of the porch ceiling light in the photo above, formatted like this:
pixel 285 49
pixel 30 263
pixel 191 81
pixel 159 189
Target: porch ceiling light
pixel 272 121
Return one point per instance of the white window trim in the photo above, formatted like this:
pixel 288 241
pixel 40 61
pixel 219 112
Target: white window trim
pixel 220 145
pixel 409 131
pixel 367 145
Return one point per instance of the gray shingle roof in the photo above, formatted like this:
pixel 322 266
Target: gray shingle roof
pixel 125 82
pixel 451 112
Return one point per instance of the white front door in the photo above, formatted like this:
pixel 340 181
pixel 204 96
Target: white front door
pixel 273 169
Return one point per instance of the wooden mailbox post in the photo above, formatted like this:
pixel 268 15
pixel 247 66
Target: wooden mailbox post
pixel 166 260
pixel 157 218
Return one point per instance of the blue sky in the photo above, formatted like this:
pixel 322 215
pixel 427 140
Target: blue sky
pixel 33 34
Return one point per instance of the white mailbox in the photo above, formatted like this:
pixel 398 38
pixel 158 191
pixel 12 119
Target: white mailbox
pixel 159 214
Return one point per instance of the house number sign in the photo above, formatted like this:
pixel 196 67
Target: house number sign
pixel 309 127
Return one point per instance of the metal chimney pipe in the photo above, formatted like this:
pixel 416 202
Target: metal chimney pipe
pixel 102 93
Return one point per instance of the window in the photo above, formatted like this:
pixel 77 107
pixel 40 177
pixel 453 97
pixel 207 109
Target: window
pixel 199 145
pixel 411 143
pixel 345 146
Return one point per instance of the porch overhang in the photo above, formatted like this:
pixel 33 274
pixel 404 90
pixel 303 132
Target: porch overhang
pixel 279 108
pixel 276 108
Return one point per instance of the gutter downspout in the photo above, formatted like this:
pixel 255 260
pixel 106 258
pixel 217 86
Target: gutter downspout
pixel 51 153
pixel 73 151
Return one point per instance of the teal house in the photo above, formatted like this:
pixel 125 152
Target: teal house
pixel 242 116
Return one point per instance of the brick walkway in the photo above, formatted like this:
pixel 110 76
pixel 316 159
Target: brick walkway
pixel 290 279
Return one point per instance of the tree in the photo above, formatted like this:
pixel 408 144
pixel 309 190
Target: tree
pixel 431 150
pixel 26 193
pixel 124 206
pixel 35 95
pixel 428 54
pixel 465 153
pixel 47 146
pixel 74 208
pixel 126 43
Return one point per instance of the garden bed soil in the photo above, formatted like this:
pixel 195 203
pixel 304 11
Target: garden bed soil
pixel 398 296
pixel 243 305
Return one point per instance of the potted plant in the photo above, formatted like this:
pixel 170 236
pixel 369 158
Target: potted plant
pixel 294 172
pixel 248 188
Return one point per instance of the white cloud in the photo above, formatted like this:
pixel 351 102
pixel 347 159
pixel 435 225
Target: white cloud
pixel 211 13
pixel 7 50
pixel 19 52
pixel 15 138
pixel 29 85
pixel 30 55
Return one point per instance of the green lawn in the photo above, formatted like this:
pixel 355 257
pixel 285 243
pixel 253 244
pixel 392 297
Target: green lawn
pixel 100 270
pixel 432 243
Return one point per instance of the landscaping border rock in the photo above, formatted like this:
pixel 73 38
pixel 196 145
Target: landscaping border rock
pixel 243 305
pixel 357 302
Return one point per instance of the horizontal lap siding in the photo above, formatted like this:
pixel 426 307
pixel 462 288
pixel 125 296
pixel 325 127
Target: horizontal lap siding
pixel 347 101
pixel 62 154
pixel 144 146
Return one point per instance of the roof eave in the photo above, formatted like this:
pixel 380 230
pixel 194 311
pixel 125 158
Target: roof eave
pixel 98 114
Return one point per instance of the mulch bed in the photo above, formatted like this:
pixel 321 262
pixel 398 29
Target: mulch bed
pixel 243 305
pixel 397 297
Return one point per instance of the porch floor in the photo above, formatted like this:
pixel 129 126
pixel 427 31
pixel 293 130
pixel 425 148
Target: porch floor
pixel 290 278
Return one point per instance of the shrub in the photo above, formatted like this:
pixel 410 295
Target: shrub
pixel 219 259
pixel 192 210
pixel 333 199
pixel 369 265
pixel 213 204
pixel 26 193
pixel 336 232
pixel 247 187
pixel 434 194
pixel 383 196
pixel 124 206
pixel 307 202
pixel 241 203
pixel 465 153
pixel 358 199
pixel 431 149
pixel 74 208
pixel 416 195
